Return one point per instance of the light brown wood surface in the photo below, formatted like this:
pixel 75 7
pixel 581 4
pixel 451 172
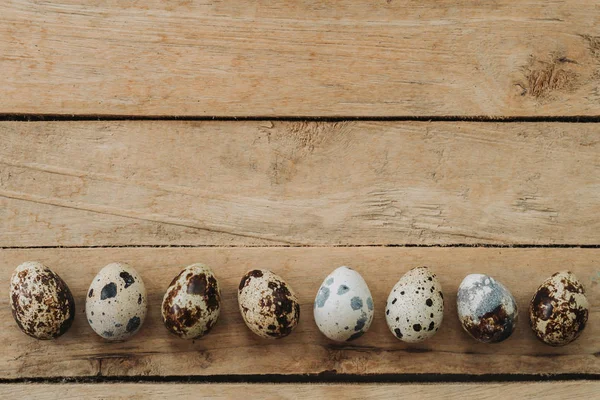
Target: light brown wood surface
pixel 232 349
pixel 298 197
pixel 143 391
pixel 282 183
pixel 300 58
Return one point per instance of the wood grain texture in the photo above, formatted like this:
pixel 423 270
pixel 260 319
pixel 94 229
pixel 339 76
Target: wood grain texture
pixel 281 183
pixel 306 58
pixel 232 349
pixel 530 390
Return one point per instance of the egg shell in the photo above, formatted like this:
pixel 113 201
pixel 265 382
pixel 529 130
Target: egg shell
pixel 41 302
pixel 116 302
pixel 268 304
pixel 192 303
pixel 415 306
pixel 343 308
pixel 559 310
pixel 486 308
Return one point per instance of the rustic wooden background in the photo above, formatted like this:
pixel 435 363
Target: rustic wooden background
pixel 299 136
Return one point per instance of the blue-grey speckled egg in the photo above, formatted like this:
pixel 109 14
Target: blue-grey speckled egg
pixel 343 309
pixel 486 308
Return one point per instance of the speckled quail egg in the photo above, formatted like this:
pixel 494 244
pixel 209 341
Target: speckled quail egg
pixel 192 303
pixel 41 301
pixel 559 309
pixel 343 308
pixel 486 308
pixel 415 306
pixel 116 302
pixel 268 304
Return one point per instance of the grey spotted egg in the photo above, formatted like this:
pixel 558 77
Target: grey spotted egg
pixel 116 302
pixel 486 308
pixel 268 304
pixel 415 306
pixel 41 301
pixel 559 310
pixel 192 303
pixel 343 308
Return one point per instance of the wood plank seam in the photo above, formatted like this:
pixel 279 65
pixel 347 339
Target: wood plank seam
pixel 304 118
pixel 199 246
pixel 321 378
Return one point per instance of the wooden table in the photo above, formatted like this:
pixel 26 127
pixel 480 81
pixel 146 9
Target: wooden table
pixel 299 136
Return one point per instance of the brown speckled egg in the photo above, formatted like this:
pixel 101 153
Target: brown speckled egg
pixel 192 303
pixel 559 309
pixel 268 304
pixel 41 301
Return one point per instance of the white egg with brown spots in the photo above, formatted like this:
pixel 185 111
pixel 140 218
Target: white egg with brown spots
pixel 415 306
pixel 192 303
pixel 268 304
pixel 343 309
pixel 116 302
pixel 558 311
pixel 41 302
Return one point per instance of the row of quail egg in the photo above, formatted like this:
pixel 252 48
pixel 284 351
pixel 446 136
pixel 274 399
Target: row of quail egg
pixel 116 305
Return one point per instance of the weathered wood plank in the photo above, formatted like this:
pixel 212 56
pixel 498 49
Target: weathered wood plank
pixel 232 349
pixel 351 58
pixel 259 183
pixel 479 391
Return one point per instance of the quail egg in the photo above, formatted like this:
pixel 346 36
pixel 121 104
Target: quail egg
pixel 116 302
pixel 486 309
pixel 415 306
pixel 192 303
pixel 41 301
pixel 268 304
pixel 559 309
pixel 343 308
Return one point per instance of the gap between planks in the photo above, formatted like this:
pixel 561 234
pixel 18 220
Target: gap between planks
pixel 298 118
pixel 199 246
pixel 321 378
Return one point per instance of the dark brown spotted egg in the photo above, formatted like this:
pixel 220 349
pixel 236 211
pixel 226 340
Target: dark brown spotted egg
pixel 116 302
pixel 192 303
pixel 41 301
pixel 268 304
pixel 486 308
pixel 559 309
